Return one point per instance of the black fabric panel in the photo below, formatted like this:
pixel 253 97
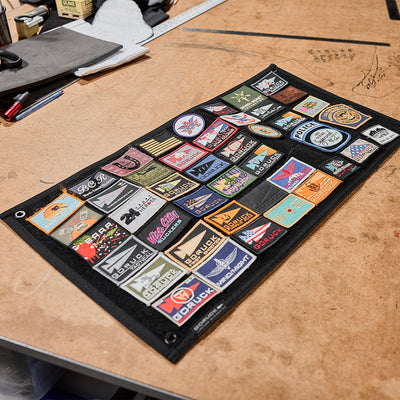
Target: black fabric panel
pixel 153 328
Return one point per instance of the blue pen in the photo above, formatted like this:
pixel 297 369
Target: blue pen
pixel 38 105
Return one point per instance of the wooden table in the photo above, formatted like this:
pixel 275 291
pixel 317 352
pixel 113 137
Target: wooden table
pixel 325 324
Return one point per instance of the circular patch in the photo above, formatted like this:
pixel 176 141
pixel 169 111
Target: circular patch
pixel 189 125
pixel 265 131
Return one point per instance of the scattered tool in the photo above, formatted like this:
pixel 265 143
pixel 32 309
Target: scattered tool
pixel 28 24
pixel 19 101
pixel 9 60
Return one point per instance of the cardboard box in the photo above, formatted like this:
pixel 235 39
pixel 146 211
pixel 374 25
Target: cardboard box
pixel 75 9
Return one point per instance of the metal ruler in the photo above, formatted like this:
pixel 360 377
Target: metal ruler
pixel 180 19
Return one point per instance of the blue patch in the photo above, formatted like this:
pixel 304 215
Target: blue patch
pixel 207 168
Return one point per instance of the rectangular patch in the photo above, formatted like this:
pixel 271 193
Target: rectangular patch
pixel 261 160
pixel 183 157
pixel 149 174
pixel 161 144
pixel 269 84
pixel 241 119
pixel 237 147
pixel 311 106
pixel 92 185
pixel 339 167
pixel 244 98
pixel 266 109
pixel 207 168
pixel 288 121
pixel 54 213
pixel 380 134
pixel 289 95
pixel 359 150
pixel 219 108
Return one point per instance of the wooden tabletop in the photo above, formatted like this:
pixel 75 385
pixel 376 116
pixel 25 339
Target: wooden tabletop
pixel 325 324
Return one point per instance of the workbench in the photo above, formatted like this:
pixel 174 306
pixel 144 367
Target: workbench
pixel 325 324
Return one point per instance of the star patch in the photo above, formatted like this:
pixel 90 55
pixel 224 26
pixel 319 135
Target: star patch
pixel 261 160
pixel 161 144
pixel 265 131
pixel 54 213
pixel 76 225
pixel 343 115
pixel 231 218
pixel 260 235
pixel 189 125
pixel 151 173
pixel 173 186
pixel 137 210
pixel 219 109
pixel 288 121
pixel 183 157
pixel 269 84
pixel 317 187
pixel 241 119
pixel 339 167
pixel 132 160
pixel 322 137
pixel 237 147
pixel 114 196
pixel 232 182
pixel 198 244
pixel 154 279
pixel 244 98
pixel 266 109
pixel 291 174
pixel 92 185
pixel 125 261
pixel 289 95
pixel 201 202
pixel 359 150
pixel 165 227
pixel 95 245
pixel 225 265
pixel 262 197
pixel 380 134
pixel 311 106
pixel 182 302
pixel 215 135
pixel 289 211
pixel 207 168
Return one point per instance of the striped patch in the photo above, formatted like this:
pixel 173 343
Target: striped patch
pixel 164 143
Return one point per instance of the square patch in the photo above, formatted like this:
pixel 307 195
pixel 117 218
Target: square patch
pixel 207 168
pixel 261 160
pixel 151 173
pixel 237 148
pixel 161 144
pixel 241 119
pixel 288 121
pixel 225 265
pixel 183 157
pixel 244 98
pixel 339 167
pixel 92 185
pixel 219 109
pixel 289 95
pixel 269 84
pixel 359 150
pixel 311 106
pixel 266 109
pixel 380 134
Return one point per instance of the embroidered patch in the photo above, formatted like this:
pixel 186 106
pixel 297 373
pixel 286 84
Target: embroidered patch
pixel 288 121
pixel 343 115
pixel 241 119
pixel 244 98
pixel 111 198
pixel 161 144
pixel 311 106
pixel 225 265
pixel 261 160
pixel 260 235
pixel 289 211
pixel 339 167
pixel 380 134
pixel 269 84
pixel 262 197
pixel 54 213
pixel 266 109
pixel 231 218
pixel 215 135
pixel 183 157
pixel 201 202
pixel 232 182
pixel 76 225
pixel 291 174
pixel 182 302
pixel 237 147
pixel 317 187
pixel 125 261
pixel 154 279
pixel 359 150
pixel 92 185
pixel 131 161
pixel 265 131
pixel 174 186
pixel 137 210
pixel 95 245
pixel 189 125
pixel 198 244
pixel 151 173
pixel 322 137
pixel 165 227
pixel 219 109
pixel 289 95
pixel 207 168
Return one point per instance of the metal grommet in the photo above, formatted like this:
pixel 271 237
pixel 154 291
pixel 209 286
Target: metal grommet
pixel 170 338
pixel 20 214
